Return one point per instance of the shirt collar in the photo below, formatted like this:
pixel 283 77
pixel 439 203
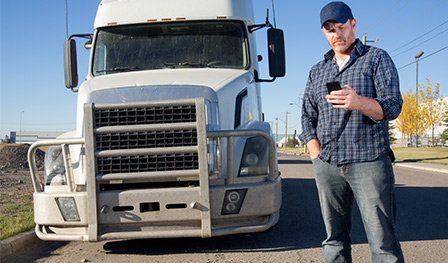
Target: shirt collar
pixel 358 50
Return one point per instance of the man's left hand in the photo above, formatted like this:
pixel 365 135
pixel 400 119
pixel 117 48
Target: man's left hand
pixel 348 99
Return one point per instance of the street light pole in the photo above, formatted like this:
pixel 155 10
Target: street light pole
pixel 276 129
pixel 417 57
pixel 20 140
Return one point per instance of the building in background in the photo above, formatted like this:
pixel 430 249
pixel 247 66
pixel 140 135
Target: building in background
pixel 32 136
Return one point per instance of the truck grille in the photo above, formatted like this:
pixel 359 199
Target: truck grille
pixel 131 129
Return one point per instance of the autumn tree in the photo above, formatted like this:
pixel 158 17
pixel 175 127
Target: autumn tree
pixel 432 107
pixel 409 123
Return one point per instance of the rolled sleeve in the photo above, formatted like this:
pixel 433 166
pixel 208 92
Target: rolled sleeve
pixel 391 108
pixel 388 87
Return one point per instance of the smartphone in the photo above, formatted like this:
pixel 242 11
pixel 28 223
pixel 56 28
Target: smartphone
pixel 335 85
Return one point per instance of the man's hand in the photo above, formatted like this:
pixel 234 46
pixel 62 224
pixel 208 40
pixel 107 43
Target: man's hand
pixel 348 99
pixel 314 148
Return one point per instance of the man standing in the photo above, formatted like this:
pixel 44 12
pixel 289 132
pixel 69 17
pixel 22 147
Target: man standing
pixel 347 134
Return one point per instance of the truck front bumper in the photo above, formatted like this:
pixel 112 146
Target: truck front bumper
pixel 128 215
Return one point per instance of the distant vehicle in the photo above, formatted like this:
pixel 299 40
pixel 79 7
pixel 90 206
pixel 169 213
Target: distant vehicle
pixel 170 139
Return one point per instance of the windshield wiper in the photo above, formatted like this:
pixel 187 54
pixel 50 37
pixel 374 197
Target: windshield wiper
pixel 185 64
pixel 119 69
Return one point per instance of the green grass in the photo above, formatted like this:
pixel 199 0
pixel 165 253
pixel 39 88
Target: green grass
pixel 16 207
pixel 19 218
pixel 290 150
pixel 16 211
pixel 437 155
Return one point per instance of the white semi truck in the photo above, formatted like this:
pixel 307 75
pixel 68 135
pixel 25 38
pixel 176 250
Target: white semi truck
pixel 170 139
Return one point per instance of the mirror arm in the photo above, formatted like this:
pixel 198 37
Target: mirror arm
pixel 262 80
pixel 87 36
pixel 253 28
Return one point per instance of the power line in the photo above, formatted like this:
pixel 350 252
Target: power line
pixel 423 58
pixel 419 37
pixel 420 43
pixel 415 18
pixel 380 20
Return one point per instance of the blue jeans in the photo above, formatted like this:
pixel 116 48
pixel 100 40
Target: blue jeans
pixel 371 184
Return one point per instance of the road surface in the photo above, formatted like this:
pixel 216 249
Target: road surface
pixel 422 199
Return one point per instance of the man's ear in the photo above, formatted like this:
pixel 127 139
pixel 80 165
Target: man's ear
pixel 354 24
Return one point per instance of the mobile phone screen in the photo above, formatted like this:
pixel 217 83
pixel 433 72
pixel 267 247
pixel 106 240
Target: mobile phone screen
pixel 331 86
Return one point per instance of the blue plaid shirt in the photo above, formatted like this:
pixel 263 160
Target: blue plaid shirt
pixel 349 136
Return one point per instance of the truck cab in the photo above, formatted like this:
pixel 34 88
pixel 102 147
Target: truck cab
pixel 170 139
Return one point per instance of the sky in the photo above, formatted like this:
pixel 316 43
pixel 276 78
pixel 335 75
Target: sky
pixel 33 96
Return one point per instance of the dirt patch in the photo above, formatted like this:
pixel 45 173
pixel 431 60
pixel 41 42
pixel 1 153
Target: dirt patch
pixel 16 186
pixel 15 157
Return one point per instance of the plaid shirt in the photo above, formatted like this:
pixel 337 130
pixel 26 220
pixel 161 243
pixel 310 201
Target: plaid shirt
pixel 349 136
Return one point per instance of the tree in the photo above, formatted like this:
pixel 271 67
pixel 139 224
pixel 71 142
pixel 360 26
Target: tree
pixel 432 107
pixel 392 138
pixel 410 123
pixel 444 136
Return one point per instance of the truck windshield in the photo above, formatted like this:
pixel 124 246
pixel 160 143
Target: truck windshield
pixel 214 44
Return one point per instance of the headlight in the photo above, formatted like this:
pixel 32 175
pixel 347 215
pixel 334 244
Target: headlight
pixel 214 156
pixel 255 157
pixel 251 159
pixel 54 166
pixel 233 200
pixel 67 206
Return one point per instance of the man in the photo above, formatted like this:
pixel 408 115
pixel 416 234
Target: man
pixel 346 132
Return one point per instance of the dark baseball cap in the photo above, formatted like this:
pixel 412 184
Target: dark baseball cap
pixel 337 11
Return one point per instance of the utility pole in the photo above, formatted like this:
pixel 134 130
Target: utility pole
pixel 364 40
pixel 286 129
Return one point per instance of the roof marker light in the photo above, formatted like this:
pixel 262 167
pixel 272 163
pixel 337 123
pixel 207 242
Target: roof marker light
pixel 112 23
pixel 166 19
pixel 221 17
pixel 152 20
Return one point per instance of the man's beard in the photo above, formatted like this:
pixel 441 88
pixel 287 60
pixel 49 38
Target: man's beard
pixel 342 47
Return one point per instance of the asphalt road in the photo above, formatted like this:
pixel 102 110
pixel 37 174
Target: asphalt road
pixel 422 198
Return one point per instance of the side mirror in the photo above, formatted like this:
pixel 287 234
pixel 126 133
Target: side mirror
pixel 70 64
pixel 276 49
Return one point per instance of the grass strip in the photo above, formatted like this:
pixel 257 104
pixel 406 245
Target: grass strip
pixel 17 219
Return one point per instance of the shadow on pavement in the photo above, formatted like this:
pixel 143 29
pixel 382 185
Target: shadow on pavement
pixel 422 215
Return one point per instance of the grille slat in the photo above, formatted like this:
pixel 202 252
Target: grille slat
pixel 150 139
pixel 149 115
pixel 147 163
